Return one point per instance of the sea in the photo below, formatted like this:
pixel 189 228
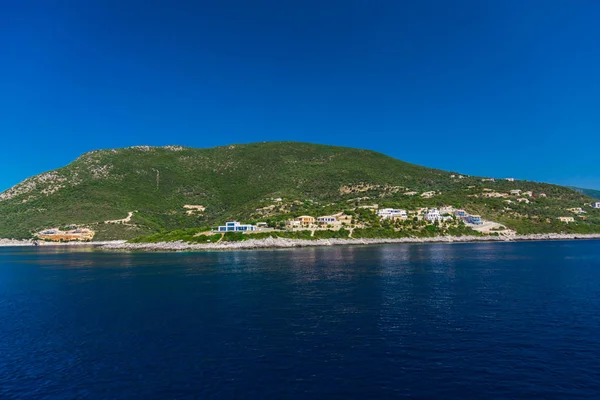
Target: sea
pixel 415 321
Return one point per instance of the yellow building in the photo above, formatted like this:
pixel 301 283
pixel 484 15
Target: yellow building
pixel 305 220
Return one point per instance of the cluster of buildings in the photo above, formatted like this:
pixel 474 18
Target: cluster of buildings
pixel 303 221
pixel 306 221
pixel 430 215
pixel 579 211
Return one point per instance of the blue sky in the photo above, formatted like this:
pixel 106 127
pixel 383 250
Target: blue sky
pixel 493 88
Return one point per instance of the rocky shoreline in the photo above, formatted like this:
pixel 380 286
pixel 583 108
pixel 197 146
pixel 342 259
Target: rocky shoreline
pixel 282 243
pixel 31 243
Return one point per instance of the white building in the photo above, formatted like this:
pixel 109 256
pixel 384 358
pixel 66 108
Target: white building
pixel 515 192
pixel 392 213
pixel 329 219
pixel 234 226
pixel 596 204
pixel 433 215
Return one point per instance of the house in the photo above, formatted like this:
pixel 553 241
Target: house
pixel 510 179
pixel 515 192
pixel 542 195
pixel 475 220
pixel 460 213
pixel 433 215
pixel 596 204
pixel 262 225
pixel 234 226
pixel 576 210
pixel 530 194
pixel 488 180
pixel 566 219
pixel 428 195
pixel 392 213
pixel 523 199
pixel 305 220
pixel 292 223
pixel 327 220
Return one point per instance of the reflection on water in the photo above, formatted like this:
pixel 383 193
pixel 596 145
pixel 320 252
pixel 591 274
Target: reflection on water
pixel 501 320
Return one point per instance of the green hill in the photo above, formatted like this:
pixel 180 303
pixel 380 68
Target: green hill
pixel 588 192
pixel 242 182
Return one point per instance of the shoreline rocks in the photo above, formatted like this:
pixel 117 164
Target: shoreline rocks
pixel 31 243
pixel 283 243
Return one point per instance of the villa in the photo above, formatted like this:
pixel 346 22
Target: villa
pixel 305 220
pixel 475 220
pixel 596 204
pixel 510 179
pixel 234 226
pixel 327 220
pixel 515 192
pixel 392 213
pixel 433 215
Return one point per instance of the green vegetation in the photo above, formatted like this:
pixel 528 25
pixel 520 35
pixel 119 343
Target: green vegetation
pixel 242 182
pixel 588 192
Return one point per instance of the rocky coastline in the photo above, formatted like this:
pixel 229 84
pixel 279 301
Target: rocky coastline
pixel 31 243
pixel 282 243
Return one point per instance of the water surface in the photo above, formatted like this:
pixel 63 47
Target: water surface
pixel 452 321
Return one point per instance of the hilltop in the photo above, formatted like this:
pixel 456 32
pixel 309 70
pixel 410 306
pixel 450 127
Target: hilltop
pixel 125 193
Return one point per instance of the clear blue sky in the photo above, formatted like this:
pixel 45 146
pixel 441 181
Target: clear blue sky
pixel 494 88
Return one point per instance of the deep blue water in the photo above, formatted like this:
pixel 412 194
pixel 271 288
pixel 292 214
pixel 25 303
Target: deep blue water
pixel 462 321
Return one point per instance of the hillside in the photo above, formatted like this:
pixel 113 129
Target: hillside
pixel 588 192
pixel 146 189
